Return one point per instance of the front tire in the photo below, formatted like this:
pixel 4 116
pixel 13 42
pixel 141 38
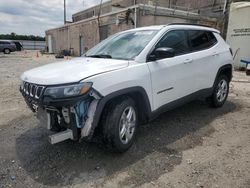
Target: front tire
pixel 6 51
pixel 120 124
pixel 220 91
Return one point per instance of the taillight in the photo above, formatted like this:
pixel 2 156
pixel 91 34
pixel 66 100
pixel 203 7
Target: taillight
pixel 231 51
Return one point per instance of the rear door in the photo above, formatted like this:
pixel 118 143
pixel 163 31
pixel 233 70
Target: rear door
pixel 205 57
pixel 1 46
pixel 172 78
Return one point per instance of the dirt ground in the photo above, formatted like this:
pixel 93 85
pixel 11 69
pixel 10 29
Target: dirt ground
pixel 192 146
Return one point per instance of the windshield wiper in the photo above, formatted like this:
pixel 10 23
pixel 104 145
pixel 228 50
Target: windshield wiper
pixel 100 56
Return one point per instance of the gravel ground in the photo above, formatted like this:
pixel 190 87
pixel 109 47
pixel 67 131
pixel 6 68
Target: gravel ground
pixel 192 146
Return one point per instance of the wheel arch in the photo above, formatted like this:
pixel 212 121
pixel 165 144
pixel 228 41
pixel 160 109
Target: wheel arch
pixel 138 94
pixel 226 70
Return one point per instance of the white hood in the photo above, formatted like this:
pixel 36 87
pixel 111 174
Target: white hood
pixel 71 71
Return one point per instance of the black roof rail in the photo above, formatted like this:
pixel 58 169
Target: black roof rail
pixel 188 24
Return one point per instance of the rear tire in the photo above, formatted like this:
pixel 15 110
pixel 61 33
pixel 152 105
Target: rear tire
pixel 119 124
pixel 220 91
pixel 6 51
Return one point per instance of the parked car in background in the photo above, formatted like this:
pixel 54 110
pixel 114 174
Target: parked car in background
pixel 7 46
pixel 248 70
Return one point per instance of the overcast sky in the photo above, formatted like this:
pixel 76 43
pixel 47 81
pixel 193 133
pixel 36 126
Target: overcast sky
pixel 35 16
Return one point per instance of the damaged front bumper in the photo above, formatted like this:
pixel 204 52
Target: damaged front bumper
pixel 72 117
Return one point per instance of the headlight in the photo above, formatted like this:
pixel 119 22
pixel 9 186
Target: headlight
pixel 68 90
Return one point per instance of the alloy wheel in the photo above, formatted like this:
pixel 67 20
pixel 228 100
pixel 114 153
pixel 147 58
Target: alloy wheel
pixel 222 90
pixel 127 124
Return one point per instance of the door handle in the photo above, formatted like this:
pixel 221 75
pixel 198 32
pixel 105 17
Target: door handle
pixel 215 53
pixel 186 61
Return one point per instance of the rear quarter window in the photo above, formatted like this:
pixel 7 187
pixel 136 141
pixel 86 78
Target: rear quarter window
pixel 200 40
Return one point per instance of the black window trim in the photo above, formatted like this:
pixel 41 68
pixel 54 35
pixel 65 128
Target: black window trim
pixel 187 35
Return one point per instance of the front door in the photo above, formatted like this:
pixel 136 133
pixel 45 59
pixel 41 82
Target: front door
pixel 172 78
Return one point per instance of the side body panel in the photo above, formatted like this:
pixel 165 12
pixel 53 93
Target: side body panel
pixel 171 79
pixel 206 63
pixel 205 67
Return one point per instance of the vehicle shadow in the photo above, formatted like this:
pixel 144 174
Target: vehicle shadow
pixel 158 149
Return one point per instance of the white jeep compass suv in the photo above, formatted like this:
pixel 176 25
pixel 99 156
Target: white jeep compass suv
pixel 128 79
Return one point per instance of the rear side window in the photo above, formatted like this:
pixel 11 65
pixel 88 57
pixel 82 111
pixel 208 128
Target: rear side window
pixel 200 40
pixel 4 42
pixel 176 39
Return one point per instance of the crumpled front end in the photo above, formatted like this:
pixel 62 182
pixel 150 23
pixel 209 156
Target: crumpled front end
pixel 70 116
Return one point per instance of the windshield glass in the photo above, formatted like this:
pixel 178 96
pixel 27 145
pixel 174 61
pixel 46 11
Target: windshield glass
pixel 122 46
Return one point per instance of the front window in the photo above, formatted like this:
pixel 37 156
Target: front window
pixel 122 46
pixel 176 39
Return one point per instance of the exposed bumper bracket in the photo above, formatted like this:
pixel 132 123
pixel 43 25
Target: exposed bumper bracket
pixel 61 136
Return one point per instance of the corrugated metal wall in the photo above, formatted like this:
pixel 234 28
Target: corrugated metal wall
pixel 32 45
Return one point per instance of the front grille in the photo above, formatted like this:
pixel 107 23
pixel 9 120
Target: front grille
pixel 32 90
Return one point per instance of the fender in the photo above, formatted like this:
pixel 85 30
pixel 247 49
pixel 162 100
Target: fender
pixel 221 69
pixel 146 107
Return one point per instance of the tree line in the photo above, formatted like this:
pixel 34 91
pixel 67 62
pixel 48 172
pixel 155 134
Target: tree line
pixel 14 36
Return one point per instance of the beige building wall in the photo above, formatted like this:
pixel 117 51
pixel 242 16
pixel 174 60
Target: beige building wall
pixel 193 4
pixel 68 37
pixel 93 11
pixel 196 4
pixel 148 20
pixel 127 3
pixel 87 30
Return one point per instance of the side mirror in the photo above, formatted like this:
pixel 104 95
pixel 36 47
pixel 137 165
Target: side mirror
pixel 162 53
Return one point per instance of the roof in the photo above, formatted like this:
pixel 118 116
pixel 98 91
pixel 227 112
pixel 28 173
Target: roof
pixel 192 26
pixel 5 40
pixel 174 26
pixel 152 27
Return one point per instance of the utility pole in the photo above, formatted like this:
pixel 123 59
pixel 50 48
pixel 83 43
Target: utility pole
pixel 135 25
pixel 98 20
pixel 156 4
pixel 99 12
pixel 64 11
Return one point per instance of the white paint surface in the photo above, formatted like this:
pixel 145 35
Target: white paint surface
pixel 238 36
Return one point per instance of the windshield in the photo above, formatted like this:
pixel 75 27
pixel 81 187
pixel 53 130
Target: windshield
pixel 122 46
